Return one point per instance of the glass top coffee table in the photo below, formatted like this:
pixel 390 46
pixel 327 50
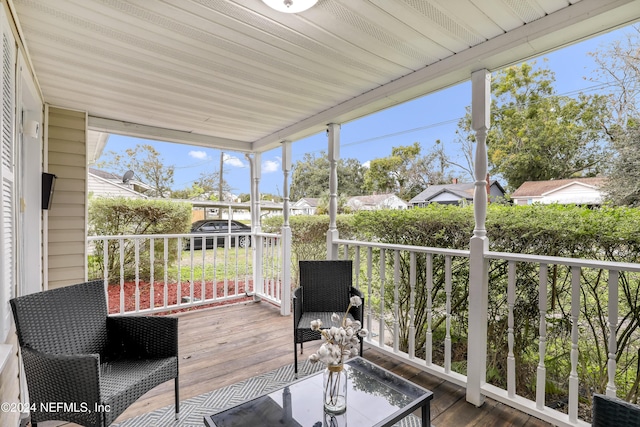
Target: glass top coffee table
pixel 375 397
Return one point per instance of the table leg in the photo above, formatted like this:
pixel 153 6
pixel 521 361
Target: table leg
pixel 426 414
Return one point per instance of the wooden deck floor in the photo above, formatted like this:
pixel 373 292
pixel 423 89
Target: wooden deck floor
pixel 224 345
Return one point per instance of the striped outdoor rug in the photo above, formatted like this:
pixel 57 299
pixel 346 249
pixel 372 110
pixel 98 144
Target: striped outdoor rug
pixel 193 411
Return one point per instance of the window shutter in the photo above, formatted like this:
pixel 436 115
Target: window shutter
pixel 7 179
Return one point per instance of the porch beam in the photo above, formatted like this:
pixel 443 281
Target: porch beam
pixel 136 130
pixel 333 137
pixel 479 244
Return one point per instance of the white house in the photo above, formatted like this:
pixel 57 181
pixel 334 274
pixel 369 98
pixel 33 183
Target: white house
pixel 453 194
pixel 105 184
pixel 375 202
pixel 305 206
pixel 579 191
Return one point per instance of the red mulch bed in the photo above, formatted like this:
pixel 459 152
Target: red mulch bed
pixel 172 295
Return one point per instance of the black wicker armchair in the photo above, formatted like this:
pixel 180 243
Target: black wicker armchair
pixel 325 288
pixel 86 367
pixel 613 412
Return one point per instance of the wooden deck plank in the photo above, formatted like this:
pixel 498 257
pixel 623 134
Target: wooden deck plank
pixel 224 345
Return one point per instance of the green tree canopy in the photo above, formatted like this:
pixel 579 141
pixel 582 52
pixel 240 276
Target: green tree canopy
pixel 310 177
pixel 406 172
pixel 147 165
pixel 538 135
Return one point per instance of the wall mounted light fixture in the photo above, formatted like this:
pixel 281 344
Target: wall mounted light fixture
pixel 290 6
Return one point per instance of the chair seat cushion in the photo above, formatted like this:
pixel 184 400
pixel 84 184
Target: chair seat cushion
pixel 123 381
pixel 324 316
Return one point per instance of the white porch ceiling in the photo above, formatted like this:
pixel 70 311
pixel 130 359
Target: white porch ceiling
pixel 235 74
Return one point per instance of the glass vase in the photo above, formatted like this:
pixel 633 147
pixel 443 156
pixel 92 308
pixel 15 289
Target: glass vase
pixel 335 389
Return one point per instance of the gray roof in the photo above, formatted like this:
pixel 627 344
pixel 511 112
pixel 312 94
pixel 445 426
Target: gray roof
pixel 463 190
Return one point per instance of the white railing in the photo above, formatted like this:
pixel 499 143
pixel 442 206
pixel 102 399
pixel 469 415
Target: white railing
pixel 408 287
pixel 382 268
pixel 574 295
pixel 164 273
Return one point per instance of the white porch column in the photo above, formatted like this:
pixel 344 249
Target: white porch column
pixel 479 244
pixel 254 194
pixel 333 134
pixel 285 308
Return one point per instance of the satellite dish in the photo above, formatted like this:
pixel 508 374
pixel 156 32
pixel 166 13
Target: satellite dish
pixel 127 176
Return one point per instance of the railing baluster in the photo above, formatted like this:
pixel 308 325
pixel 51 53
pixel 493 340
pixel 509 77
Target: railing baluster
pixel 215 268
pixel 614 277
pixel 429 333
pixel 226 271
pixel 356 266
pixel 166 270
pixel 369 290
pixel 381 326
pixel 203 278
pixel 136 250
pixel 541 374
pixel 396 301
pixel 447 339
pixel 511 360
pixel 192 272
pixel 152 265
pixel 575 313
pixel 179 279
pixel 412 305
pixel 121 242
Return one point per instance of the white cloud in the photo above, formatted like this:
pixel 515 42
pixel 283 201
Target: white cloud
pixel 232 161
pixel 198 155
pixel 367 164
pixel 270 166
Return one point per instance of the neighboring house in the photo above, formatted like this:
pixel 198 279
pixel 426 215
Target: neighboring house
pixel 305 206
pixel 579 191
pixel 106 184
pixel 454 193
pixel 376 202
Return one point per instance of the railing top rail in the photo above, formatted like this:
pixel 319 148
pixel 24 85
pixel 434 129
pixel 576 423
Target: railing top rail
pixel 422 249
pixel 571 262
pixel 262 234
pixel 162 236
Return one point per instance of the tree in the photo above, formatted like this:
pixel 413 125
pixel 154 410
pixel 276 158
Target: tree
pixel 206 187
pixel 406 173
pixel 310 177
pixel 147 165
pixel 538 135
pixel 622 187
pixel 619 70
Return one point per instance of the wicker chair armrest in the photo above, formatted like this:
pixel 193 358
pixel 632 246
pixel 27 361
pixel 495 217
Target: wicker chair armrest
pixel 142 337
pixel 62 377
pixel 297 305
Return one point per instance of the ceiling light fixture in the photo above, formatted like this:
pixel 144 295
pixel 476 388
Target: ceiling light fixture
pixel 290 6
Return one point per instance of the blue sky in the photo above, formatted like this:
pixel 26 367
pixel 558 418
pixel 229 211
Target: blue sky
pixel 422 120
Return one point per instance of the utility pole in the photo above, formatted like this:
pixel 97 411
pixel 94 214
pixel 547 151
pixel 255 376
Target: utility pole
pixel 220 185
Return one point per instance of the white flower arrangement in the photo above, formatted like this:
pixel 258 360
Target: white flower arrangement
pixel 340 342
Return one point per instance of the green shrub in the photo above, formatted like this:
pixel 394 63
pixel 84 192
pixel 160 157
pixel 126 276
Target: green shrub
pixel 122 216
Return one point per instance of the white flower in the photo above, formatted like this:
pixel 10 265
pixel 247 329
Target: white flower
pixel 340 342
pixel 316 325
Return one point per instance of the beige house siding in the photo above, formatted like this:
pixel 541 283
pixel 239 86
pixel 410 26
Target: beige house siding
pixel 9 383
pixel 67 224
